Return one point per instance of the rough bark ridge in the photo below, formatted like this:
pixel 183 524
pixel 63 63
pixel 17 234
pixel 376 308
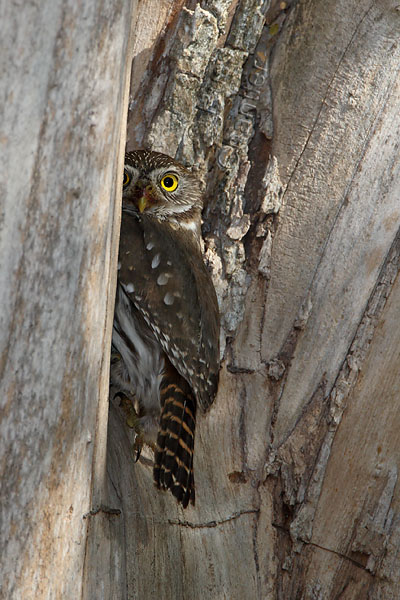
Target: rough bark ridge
pixel 64 74
pixel 289 112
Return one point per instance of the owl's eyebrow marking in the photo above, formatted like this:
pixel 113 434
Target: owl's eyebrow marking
pixel 133 170
pixel 168 171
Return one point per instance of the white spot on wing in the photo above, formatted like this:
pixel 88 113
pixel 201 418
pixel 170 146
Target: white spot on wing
pixel 155 262
pixel 168 299
pixel 150 246
pixel 130 288
pixel 163 278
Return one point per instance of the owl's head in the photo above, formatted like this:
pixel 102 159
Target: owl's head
pixel 155 184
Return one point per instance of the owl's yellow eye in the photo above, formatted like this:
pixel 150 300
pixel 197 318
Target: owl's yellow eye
pixel 126 179
pixel 169 182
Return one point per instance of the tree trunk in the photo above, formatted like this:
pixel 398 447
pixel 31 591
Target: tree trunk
pixel 290 116
pixel 289 113
pixel 64 89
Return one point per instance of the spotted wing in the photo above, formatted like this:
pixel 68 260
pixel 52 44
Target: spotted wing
pixel 163 273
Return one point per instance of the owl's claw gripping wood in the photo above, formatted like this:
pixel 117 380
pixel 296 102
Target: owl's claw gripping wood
pixel 138 445
pixel 166 322
pixel 133 422
pixel 132 418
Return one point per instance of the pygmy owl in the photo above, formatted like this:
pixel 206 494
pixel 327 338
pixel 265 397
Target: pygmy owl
pixel 166 322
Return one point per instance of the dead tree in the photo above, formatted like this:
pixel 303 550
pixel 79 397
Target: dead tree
pixel 289 113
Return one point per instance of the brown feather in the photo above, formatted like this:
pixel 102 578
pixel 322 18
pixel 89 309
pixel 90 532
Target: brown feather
pixel 173 461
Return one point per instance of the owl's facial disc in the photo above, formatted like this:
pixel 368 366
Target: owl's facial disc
pixel 157 186
pixel 138 191
pixel 147 191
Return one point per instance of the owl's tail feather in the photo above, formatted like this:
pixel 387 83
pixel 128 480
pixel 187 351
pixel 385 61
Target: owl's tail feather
pixel 173 464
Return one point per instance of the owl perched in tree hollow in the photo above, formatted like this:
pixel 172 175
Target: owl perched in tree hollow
pixel 166 322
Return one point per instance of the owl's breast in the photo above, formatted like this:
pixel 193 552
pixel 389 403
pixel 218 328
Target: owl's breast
pixel 139 373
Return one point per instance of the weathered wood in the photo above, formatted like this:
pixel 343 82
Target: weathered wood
pixel 289 112
pixel 295 494
pixel 64 69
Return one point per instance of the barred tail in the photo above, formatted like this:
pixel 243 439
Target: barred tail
pixel 173 463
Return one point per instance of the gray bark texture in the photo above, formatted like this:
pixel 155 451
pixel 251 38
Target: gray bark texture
pixel 290 114
pixel 64 97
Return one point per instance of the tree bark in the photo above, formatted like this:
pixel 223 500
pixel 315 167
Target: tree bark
pixel 289 113
pixel 290 116
pixel 64 89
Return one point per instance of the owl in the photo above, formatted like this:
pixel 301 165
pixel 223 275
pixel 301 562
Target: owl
pixel 166 322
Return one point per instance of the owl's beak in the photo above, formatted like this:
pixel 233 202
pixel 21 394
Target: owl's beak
pixel 145 197
pixel 142 202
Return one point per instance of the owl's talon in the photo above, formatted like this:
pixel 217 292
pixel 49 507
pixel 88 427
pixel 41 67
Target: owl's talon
pixel 132 418
pixel 132 421
pixel 137 446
